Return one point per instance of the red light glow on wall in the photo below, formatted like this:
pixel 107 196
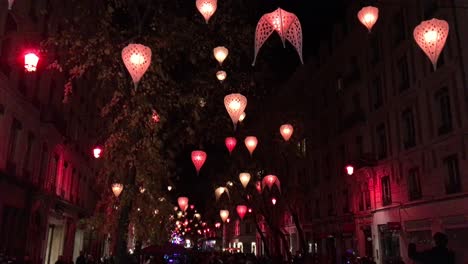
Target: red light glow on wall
pixel 349 170
pixel 97 152
pixel 30 61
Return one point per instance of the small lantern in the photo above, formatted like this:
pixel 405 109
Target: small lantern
pixel 155 117
pixel 219 191
pixel 221 75
pixel 198 159
pixel 286 131
pixel 10 4
pixel 197 216
pixel 242 117
pixel 220 53
pixel 142 189
pixel 431 36
pixel 206 8
pixel 169 188
pixel 97 152
pixel 271 180
pixel 258 186
pixel 30 62
pixel 368 16
pixel 286 24
pixel 349 170
pixel 273 201
pixel 192 206
pixel 217 225
pixel 230 143
pixel 235 105
pixel 117 189
pixel 250 210
pixel 183 203
pixel 224 214
pixel 251 143
pixel 241 211
pixel 137 59
pixel 244 178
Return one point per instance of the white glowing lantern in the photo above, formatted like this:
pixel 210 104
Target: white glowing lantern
pixel 183 203
pixel 10 4
pixel 271 180
pixel 244 178
pixel 117 189
pixel 221 75
pixel 206 8
pixel 197 216
pixel 286 131
pixel 368 16
pixel 219 191
pixel 220 53
pixel 242 117
pixel 251 144
pixel 431 36
pixel 286 24
pixel 142 189
pixel 198 159
pixel 235 105
pixel 137 59
pixel 224 214
pixel 169 188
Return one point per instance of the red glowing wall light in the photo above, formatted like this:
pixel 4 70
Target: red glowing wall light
pixel 30 61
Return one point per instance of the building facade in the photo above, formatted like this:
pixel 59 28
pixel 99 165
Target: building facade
pixel 47 176
pixel 373 101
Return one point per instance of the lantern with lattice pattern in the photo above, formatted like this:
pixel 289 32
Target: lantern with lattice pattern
pixel 235 105
pixel 368 16
pixel 198 159
pixel 137 59
pixel 286 24
pixel 431 36
pixel 206 8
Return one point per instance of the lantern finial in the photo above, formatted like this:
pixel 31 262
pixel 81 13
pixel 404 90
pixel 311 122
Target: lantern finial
pixel 137 59
pixel 368 16
pixel 431 36
pixel 207 8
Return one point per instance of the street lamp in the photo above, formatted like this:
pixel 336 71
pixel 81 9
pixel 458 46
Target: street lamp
pixel 97 152
pixel 30 61
pixel 349 169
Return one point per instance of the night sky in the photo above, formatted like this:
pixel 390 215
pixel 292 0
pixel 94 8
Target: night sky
pixel 316 19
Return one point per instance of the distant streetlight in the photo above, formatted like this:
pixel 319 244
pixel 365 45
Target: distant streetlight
pixel 273 201
pixel 97 152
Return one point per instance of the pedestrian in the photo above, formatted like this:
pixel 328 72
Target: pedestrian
pixel 439 254
pixel 81 259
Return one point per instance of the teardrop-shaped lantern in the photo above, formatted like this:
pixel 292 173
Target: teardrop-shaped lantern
pixel 206 8
pixel 198 159
pixel 97 152
pixel 30 61
pixel 235 105
pixel 142 189
pixel 286 131
pixel 241 211
pixel 224 214
pixel 287 26
pixel 242 117
pixel 431 36
pixel 258 186
pixel 137 59
pixel 368 16
pixel 244 178
pixel 183 203
pixel 220 53
pixel 219 191
pixel 271 180
pixel 10 4
pixel 230 143
pixel 251 143
pixel 117 189
pixel 221 75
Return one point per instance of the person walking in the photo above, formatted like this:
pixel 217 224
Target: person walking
pixel 81 259
pixel 439 254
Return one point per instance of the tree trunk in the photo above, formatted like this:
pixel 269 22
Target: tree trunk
pixel 300 231
pixel 262 236
pixel 122 228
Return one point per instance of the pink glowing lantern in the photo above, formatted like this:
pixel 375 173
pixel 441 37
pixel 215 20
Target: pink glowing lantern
pixel 241 211
pixel 221 75
pixel 97 152
pixel 431 36
pixel 258 186
pixel 206 8
pixel 271 180
pixel 192 206
pixel 217 225
pixel 183 203
pixel 10 4
pixel 244 178
pixel 137 59
pixel 273 201
pixel 30 61
pixel 198 159
pixel 117 189
pixel 349 170
pixel 230 143
pixel 368 16
pixel 286 131
pixel 220 53
pixel 155 117
pixel 224 214
pixel 251 144
pixel 286 24
pixel 235 105
pixel 250 210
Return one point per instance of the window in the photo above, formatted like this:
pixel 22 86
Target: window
pixel 364 198
pixel 317 208
pixel 346 201
pixel 359 147
pixel 409 135
pixel 327 168
pixel 398 29
pixel 386 191
pixel 27 156
pixel 444 111
pixel 376 93
pixel 13 141
pixel 53 171
pixel 414 185
pixel 402 75
pixel 331 205
pixel 43 163
pixel 302 147
pixel 381 142
pixel 452 180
